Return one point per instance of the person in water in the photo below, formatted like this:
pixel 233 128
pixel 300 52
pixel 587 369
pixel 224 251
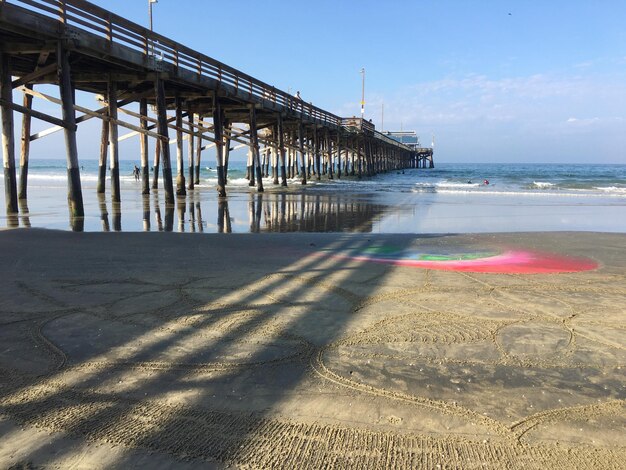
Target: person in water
pixel 486 182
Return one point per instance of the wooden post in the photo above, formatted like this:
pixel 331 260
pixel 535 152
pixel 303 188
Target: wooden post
pixel 180 171
pixel 275 153
pixel 74 190
pixel 338 154
pixel 311 153
pixel 266 160
pixel 359 158
pixel 301 151
pixel 329 150
pixel 156 165
pixel 263 159
pixel 25 151
pixel 190 152
pixel 165 146
pixel 218 130
pixel 250 166
pixel 113 143
pixel 281 149
pixel 104 149
pixel 352 153
pixel 366 157
pixel 8 138
pixel 254 142
pixel 198 151
pixel 228 125
pixel 290 152
pixel 317 150
pixel 143 141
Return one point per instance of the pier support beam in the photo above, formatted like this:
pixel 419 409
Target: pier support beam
pixel 338 145
pixel 190 152
pixel 218 130
pixel 102 162
pixel 145 170
pixel 180 171
pixel 156 165
pixel 113 143
pixel 228 125
pixel 329 152
pixel 281 150
pixel 275 154
pixel 254 144
pixel 165 146
pixel 8 137
pixel 25 149
pixel 198 151
pixel 74 190
pixel 317 152
pixel 359 158
pixel 301 151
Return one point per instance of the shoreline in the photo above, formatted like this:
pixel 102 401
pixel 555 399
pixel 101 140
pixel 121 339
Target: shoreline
pixel 313 208
pixel 256 348
pixel 519 198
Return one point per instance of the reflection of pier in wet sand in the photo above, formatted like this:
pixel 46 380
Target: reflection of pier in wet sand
pixel 270 212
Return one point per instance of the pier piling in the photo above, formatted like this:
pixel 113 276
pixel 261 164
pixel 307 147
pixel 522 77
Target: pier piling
pixel 113 142
pixel 190 152
pixel 143 140
pixel 25 147
pixel 254 146
pixel 180 171
pixel 74 190
pixel 165 144
pixel 218 130
pixel 8 138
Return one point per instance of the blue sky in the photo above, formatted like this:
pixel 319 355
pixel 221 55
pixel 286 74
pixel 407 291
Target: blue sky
pixel 494 81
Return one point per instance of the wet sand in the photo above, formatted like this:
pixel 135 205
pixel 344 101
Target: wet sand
pixel 169 350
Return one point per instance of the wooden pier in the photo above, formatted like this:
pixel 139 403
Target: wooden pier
pixel 78 46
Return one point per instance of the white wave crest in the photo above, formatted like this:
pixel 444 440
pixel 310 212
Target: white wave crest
pixel 543 184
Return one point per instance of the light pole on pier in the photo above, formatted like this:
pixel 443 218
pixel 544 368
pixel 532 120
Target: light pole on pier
pixel 363 94
pixel 150 2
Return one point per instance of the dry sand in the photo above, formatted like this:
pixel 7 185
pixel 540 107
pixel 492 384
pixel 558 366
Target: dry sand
pixel 170 350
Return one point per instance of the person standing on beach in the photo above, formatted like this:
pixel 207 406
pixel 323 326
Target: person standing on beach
pixel 136 173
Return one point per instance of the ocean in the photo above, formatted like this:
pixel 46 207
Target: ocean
pixel 451 198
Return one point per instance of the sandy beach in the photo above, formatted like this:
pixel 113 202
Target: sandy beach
pixel 161 350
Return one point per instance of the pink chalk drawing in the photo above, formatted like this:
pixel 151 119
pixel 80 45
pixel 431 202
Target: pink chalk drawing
pixel 507 262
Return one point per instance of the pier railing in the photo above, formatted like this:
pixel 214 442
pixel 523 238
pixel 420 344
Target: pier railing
pixel 160 49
